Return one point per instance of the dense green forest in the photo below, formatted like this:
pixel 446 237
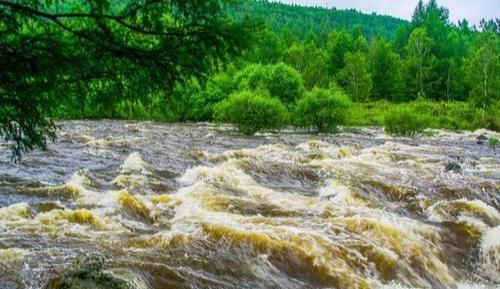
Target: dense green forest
pixel 259 65
pixel 318 22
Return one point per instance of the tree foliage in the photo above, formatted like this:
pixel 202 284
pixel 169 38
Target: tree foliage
pixel 103 50
pixel 484 69
pixel 419 63
pixel 281 80
pixel 322 110
pixel 301 20
pixel 386 72
pixel 252 111
pixel 356 77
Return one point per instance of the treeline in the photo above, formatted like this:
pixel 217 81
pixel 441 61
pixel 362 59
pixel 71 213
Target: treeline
pixel 452 70
pixel 429 57
pixel 318 22
pixel 84 58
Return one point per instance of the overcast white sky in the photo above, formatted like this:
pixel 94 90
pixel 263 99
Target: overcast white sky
pixel 472 10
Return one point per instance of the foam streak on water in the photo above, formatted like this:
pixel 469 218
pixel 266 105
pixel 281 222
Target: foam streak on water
pixel 198 206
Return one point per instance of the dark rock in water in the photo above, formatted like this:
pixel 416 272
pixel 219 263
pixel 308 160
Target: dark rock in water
pixel 86 273
pixel 453 166
pixel 482 139
pixel 457 158
pixel 86 264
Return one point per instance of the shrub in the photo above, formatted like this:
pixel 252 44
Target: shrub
pixel 443 115
pixel 322 110
pixel 177 104
pixel 368 114
pixel 281 80
pixel 489 118
pixel 203 101
pixel 286 83
pixel 405 121
pixel 494 142
pixel 252 112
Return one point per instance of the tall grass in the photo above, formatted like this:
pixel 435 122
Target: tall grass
pixel 408 118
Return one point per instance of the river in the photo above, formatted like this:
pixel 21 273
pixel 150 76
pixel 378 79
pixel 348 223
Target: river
pixel 174 206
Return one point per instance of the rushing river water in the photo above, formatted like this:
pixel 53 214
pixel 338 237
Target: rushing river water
pixel 199 206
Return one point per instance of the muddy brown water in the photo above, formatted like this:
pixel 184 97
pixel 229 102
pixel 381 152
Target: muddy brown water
pixel 201 206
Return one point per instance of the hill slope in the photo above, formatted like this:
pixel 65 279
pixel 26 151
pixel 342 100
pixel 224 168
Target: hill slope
pixel 301 20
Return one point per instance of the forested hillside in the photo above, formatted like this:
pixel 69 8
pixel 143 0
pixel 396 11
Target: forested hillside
pixel 302 20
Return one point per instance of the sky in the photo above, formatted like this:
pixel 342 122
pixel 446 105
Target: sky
pixel 473 11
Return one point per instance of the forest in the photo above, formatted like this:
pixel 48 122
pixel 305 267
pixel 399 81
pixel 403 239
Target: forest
pixel 260 65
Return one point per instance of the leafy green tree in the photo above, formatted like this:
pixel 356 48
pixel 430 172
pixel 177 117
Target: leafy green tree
pixel 322 110
pixel 386 72
pixel 401 39
pixel 252 111
pixel 268 48
pixel 285 83
pixel 288 36
pixel 419 63
pixel 483 68
pixel 361 44
pixel 300 20
pixel 432 7
pixel 281 80
pixel 418 14
pixel 490 25
pixel 203 101
pixel 339 43
pixel 356 77
pixel 438 27
pixel 103 50
pixel 311 62
pixel 295 56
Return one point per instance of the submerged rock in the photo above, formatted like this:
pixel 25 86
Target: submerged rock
pixel 453 166
pixel 86 272
pixel 482 139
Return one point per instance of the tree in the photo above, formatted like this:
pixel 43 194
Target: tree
pixel 299 20
pixel 288 36
pixel 418 15
pixel 268 47
pixel 483 67
pixel 491 25
pixel 322 110
pixel 203 100
pixel 311 62
pixel 419 63
pixel 386 74
pixel 356 77
pixel 281 80
pixel 361 44
pixel 339 43
pixel 444 45
pixel 433 8
pixel 50 50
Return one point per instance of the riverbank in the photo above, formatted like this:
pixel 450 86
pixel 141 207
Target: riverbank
pixel 422 113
